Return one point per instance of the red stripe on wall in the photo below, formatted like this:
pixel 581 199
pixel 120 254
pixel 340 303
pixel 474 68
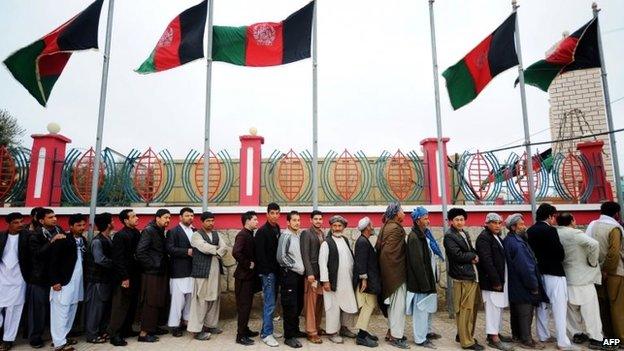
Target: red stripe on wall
pixel 166 54
pixel 265 44
pixel 479 65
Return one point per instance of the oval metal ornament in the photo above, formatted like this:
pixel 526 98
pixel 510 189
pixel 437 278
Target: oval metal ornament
pixel 83 173
pixel 347 176
pixel 7 172
pixel 400 175
pixel 479 172
pixel 214 175
pixel 290 175
pixel 148 175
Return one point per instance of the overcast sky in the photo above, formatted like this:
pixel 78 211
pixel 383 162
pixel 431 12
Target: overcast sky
pixel 375 76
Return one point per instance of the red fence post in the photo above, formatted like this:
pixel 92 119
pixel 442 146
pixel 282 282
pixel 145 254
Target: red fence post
pixel 602 191
pixel 250 167
pixel 430 157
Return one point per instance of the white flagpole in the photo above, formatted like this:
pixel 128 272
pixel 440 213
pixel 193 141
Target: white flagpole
pixel 100 124
pixel 605 88
pixel 207 112
pixel 525 118
pixel 314 110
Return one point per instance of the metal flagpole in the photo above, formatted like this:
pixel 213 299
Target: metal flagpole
pixel 442 164
pixel 100 124
pixel 605 88
pixel 525 118
pixel 207 116
pixel 314 111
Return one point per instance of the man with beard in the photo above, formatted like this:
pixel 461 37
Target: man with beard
pixel 14 269
pixel 336 267
pixel 392 247
pixel 208 252
pixel 311 240
pixel 152 254
pixel 493 280
pixel 127 279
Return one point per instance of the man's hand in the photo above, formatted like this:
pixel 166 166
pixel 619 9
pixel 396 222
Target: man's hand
pixel 327 286
pixel 125 284
pixel 252 265
pixel 364 285
pixel 475 260
pixel 57 287
pixel 311 279
pixel 190 252
pixel 57 237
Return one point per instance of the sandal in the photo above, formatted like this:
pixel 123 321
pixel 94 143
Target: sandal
pixel 71 342
pixel 98 340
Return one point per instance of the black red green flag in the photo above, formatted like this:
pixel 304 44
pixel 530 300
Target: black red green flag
pixel 181 42
pixel 267 43
pixel 576 51
pixel 495 54
pixel 38 66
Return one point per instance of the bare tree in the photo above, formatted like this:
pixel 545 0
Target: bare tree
pixel 10 131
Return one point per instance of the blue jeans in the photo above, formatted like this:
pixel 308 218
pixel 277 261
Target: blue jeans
pixel 268 294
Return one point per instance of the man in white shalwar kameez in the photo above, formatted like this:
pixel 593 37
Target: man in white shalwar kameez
pixel 13 246
pixel 67 290
pixel 209 249
pixel 336 274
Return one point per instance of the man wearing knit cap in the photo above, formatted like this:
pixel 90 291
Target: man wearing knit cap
pixel 462 261
pixel 336 266
pixel 366 281
pixel 421 278
pixel 392 247
pixel 524 281
pixel 493 280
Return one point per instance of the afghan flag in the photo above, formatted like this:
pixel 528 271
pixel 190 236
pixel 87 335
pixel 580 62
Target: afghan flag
pixel 495 54
pixel 182 41
pixel 267 43
pixel 506 172
pixel 576 51
pixel 39 65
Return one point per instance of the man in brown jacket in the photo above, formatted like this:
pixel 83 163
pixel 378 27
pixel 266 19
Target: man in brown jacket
pixel 392 247
pixel 311 240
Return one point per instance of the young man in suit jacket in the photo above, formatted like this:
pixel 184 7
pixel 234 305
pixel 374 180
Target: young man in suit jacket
pixel 13 273
pixel 66 273
pixel 244 276
pixel 180 265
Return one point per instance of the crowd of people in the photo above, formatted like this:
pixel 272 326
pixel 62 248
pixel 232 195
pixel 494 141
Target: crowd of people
pixel 58 279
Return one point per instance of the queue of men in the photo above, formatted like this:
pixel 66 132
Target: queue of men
pixel 172 277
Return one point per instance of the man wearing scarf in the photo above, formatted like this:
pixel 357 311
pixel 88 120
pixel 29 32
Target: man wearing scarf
pixel 422 255
pixel 608 231
pixel 524 281
pixel 391 247
pixel 462 269
pixel 336 268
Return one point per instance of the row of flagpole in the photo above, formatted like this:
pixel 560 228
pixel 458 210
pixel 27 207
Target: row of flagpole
pixel 442 162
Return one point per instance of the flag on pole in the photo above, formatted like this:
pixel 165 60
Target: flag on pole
pixel 495 54
pixel 39 65
pixel 267 43
pixel 181 42
pixel 573 52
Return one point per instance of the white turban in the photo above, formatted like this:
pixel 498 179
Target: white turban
pixel 363 223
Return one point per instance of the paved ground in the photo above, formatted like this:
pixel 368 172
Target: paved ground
pixel 225 341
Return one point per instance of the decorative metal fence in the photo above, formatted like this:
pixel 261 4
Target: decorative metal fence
pixel 14 164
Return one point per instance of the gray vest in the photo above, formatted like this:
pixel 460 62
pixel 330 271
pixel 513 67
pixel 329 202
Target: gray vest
pixel 201 261
pixel 601 233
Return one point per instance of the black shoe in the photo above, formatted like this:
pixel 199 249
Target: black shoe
pixel 118 341
pixel 130 334
pixel 597 345
pixel 433 336
pixel 214 330
pixel 251 334
pixel 427 344
pixel 37 344
pixel 505 338
pixel 580 338
pixel 372 337
pixel 293 342
pixel 366 341
pixel 160 331
pixel 147 338
pixel 244 340
pixel 300 334
pixel 177 332
pixel 399 343
pixel 476 346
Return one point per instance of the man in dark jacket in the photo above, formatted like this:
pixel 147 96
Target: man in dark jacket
pixel 549 252
pixel 524 280
pixel 462 261
pixel 311 240
pixel 265 247
pixel 366 282
pixel 14 270
pixel 98 279
pixel 180 267
pixel 126 279
pixel 152 254
pixel 65 270
pixel 244 276
pixel 420 278
pixel 38 291
pixel 492 280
